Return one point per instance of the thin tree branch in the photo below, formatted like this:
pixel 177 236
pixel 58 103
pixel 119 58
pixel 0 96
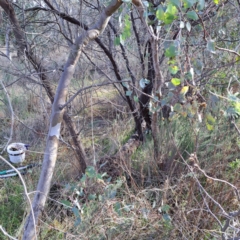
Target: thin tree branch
pixel 6 234
pixel 228 50
pixel 138 44
pixel 124 54
pixel 236 127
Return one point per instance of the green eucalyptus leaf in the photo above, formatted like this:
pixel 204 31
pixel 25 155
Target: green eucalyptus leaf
pixel 92 196
pixel 128 208
pixel 198 67
pixel 128 93
pixel 117 208
pixel 211 46
pixel 165 208
pixel 171 14
pixel 167 16
pixel 171 9
pixel 160 13
pixel 233 97
pixel 173 69
pixel 90 172
pixel 77 221
pixel 164 102
pixel 176 81
pixel 176 3
pixel 171 51
pixel 189 3
pixel 135 98
pixel 177 107
pixel 210 121
pixel 111 193
pixel 201 5
pixel 83 178
pixel 209 126
pixel 125 35
pixel 125 84
pixel 75 211
pixel 166 217
pixel 192 15
pixel 66 203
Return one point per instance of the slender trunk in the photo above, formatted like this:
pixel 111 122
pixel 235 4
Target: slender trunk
pixel 157 88
pixel 144 99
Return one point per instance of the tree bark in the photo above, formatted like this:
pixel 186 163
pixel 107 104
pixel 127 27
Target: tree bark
pixel 144 99
pixel 158 84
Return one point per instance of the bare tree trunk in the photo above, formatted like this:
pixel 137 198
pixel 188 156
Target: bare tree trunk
pixel 144 98
pixel 157 88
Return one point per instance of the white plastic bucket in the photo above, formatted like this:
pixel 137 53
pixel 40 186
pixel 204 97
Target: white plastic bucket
pixel 16 152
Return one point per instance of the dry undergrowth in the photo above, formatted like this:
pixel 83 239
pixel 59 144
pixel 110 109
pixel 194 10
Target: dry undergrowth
pixel 144 199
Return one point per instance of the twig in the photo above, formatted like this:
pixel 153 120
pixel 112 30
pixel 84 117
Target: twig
pixel 228 216
pixel 217 95
pixel 219 180
pixel 138 43
pixel 6 234
pixel 225 227
pixel 228 50
pixel 233 122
